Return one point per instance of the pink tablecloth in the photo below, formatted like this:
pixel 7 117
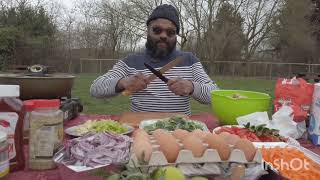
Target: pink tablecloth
pixel 64 173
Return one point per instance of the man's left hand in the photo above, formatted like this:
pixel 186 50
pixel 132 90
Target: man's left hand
pixel 180 86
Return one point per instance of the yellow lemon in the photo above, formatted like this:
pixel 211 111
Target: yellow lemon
pixel 169 173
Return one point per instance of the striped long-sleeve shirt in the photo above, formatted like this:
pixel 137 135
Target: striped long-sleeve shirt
pixel 157 97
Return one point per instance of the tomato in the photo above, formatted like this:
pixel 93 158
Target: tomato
pixel 242 132
pixel 235 129
pixel 269 139
pixel 226 129
pixel 251 137
pixel 247 137
pixel 254 137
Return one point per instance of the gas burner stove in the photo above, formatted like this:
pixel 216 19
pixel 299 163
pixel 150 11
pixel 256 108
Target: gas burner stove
pixel 71 108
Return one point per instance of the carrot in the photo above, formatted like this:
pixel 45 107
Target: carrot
pixel 291 163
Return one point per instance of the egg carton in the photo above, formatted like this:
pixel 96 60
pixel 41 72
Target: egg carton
pixel 186 157
pixel 209 155
pixel 186 169
pixel 209 164
pixel 223 170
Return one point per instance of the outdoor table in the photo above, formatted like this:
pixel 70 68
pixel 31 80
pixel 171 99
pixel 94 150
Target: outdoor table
pixel 58 174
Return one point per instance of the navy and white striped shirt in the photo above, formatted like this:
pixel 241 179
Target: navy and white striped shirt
pixel 157 97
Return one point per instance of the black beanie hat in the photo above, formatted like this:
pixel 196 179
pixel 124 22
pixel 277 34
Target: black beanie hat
pixel 167 12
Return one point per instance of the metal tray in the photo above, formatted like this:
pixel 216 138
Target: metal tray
pixel 60 156
pixel 315 157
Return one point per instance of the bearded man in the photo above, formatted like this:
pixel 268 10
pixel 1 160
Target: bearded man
pixel 188 79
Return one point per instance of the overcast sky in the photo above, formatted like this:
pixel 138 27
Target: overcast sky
pixel 66 3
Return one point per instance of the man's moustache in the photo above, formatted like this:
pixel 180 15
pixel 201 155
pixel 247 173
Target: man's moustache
pixel 162 42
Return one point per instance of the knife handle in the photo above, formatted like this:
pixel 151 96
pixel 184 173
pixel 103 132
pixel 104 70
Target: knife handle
pixel 126 93
pixel 149 79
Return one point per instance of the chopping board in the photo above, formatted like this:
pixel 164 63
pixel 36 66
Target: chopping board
pixel 134 118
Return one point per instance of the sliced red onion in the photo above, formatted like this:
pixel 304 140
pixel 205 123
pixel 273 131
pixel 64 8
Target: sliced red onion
pixel 98 149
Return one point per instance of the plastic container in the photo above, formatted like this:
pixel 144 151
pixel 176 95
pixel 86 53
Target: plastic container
pixel 227 105
pixel 4 155
pixel 28 107
pixel 11 116
pixel 314 125
pixel 46 133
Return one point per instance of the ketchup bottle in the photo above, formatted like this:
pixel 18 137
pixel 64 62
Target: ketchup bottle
pixel 11 116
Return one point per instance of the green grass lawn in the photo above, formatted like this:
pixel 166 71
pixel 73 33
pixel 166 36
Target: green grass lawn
pixel 120 103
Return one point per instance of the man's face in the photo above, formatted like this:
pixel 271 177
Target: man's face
pixel 162 38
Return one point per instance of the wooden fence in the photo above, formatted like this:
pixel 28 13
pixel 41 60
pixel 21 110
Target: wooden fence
pixel 88 65
pixel 265 70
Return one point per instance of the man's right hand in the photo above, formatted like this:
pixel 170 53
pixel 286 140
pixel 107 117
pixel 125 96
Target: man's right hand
pixel 132 83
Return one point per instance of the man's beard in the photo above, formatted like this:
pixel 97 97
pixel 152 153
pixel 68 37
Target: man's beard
pixel 159 52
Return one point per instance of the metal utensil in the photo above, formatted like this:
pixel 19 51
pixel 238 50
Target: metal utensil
pixel 157 73
pixel 164 69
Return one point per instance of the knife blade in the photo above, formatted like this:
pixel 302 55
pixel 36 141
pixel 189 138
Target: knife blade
pixel 157 73
pixel 164 69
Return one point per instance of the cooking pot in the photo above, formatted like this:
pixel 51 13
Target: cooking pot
pixel 48 86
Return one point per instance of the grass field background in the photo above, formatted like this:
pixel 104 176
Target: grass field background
pixel 118 104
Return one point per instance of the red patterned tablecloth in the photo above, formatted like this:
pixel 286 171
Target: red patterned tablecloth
pixel 62 173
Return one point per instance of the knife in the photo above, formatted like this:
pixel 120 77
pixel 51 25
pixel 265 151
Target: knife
pixel 164 69
pixel 157 73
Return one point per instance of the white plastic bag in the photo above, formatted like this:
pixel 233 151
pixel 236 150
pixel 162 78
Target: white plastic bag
pixel 254 119
pixel 281 120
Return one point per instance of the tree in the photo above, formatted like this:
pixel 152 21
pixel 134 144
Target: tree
pixel 293 33
pixel 67 36
pixel 315 20
pixel 257 23
pixel 8 41
pixel 199 17
pixel 31 26
pixel 114 27
pixel 226 39
pixel 89 27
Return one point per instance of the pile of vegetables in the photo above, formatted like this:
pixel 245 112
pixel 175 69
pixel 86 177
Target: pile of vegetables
pixel 108 126
pixel 101 126
pixel 97 149
pixel 254 133
pixel 172 123
pixel 161 173
pixel 291 163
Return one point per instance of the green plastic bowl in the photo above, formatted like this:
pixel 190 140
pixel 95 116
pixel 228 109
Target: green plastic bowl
pixel 227 105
